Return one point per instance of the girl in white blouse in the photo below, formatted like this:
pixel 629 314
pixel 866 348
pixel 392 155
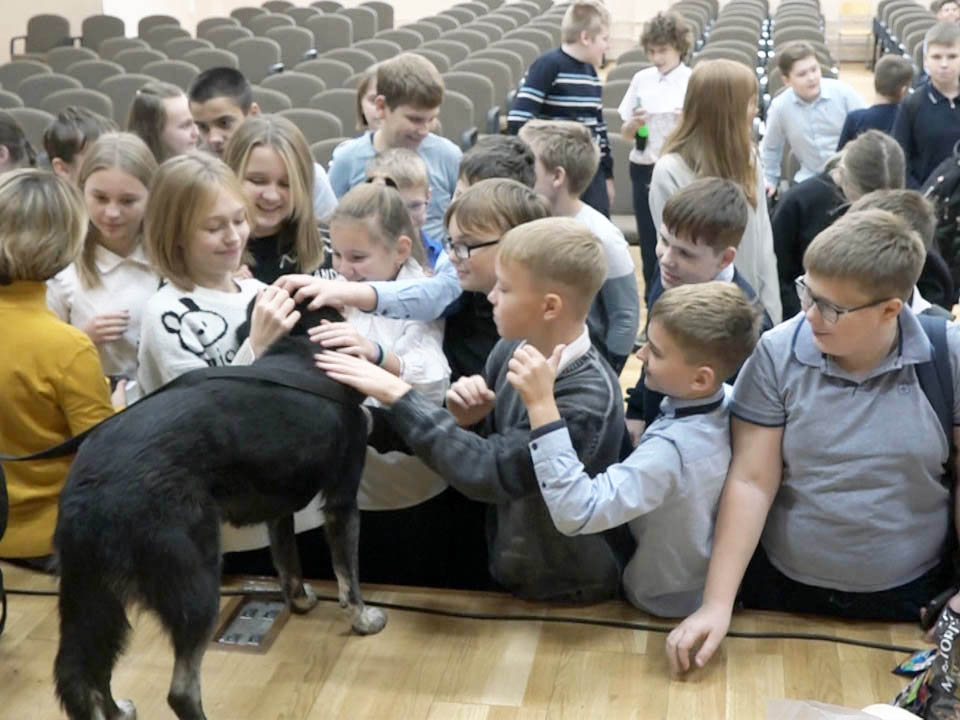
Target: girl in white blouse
pixel 104 291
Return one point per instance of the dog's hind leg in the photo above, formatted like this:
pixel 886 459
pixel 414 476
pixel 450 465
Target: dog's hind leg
pixel 342 526
pixel 286 559
pixel 93 632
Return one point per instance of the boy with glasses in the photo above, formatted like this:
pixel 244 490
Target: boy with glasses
pixel 838 455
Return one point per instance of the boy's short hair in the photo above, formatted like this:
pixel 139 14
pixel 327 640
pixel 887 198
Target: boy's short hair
pixel 403 166
pixel 566 144
pixel 713 323
pixel 710 211
pixel 946 34
pixel 667 28
pixel 589 16
pixel 891 75
pixel 409 79
pixel 910 205
pixel 558 250
pixel 791 53
pixel 222 82
pixel 43 222
pixel 874 249
pixel 936 5
pixel 499 156
pixel 13 138
pixel 73 130
pixel 492 207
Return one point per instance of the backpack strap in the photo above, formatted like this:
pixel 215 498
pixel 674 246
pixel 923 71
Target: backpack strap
pixel 935 375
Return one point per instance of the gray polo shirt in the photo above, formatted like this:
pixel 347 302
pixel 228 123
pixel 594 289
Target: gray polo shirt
pixel 861 506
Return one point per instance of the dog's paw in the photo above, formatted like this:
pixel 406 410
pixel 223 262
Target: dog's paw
pixel 127 710
pixel 305 601
pixel 370 621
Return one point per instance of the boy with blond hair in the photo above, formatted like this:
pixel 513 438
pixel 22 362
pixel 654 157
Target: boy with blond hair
pixel 847 501
pixel 566 160
pixel 409 94
pixel 562 84
pixel 547 273
pixel 668 488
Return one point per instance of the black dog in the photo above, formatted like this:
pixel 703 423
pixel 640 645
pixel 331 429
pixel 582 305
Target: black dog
pixel 141 510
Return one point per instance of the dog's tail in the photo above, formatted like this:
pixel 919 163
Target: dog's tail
pixel 93 634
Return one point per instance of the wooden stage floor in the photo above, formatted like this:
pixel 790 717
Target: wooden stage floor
pixel 436 668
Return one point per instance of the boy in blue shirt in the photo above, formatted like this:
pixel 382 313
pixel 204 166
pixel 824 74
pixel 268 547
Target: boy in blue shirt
pixel 891 80
pixel 669 487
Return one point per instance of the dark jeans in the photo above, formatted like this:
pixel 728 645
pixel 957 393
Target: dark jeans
pixel 640 176
pixel 766 588
pixel 596 194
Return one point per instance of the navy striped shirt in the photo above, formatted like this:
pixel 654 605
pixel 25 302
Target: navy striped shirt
pixel 560 87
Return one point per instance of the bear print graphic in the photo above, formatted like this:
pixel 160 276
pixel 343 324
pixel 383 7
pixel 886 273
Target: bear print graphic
pixel 198 331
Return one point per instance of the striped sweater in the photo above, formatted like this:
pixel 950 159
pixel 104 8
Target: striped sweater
pixel 560 87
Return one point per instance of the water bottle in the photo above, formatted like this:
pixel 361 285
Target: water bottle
pixel 642 134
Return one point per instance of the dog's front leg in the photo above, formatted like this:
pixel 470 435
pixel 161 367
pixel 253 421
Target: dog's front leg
pixel 342 525
pixel 286 559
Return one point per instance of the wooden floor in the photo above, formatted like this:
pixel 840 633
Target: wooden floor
pixel 430 668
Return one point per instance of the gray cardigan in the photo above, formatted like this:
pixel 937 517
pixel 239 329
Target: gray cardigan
pixel 528 555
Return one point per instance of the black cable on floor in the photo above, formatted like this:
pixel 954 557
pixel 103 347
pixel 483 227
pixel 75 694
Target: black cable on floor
pixel 566 619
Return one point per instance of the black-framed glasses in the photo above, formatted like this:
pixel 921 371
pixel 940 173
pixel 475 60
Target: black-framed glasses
pixel 828 311
pixel 462 251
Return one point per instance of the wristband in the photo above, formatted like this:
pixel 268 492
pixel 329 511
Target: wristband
pixel 381 355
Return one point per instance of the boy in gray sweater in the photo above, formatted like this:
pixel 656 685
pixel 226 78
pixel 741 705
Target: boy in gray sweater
pixel 669 486
pixel 548 272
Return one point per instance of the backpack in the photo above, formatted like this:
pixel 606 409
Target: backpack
pixel 936 377
pixel 942 188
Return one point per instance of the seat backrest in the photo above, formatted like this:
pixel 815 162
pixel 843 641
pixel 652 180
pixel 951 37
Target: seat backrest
pixel 478 9
pixel 522 16
pixel 97 28
pixel 440 61
pixel 257 56
pixel 384 13
pixel 134 60
pixel 455 51
pixel 14 73
pixel 471 38
pixel 496 72
pixel 60 58
pixel 33 122
pixel 208 24
pixel 553 30
pixel 626 71
pixel 428 31
pixel 444 22
pixel 524 48
pixel 295 43
pixel 224 35
pixel 322 151
pixel 93 100
pixel 456 119
pixel 612 119
pixel 206 59
pixel 504 22
pixel 262 23
pixel 488 30
pixel 176 48
pixel 111 46
pixel 278 6
pixel 620 151
pixel 297 86
pixel 508 58
pixel 300 15
pixel 176 72
pixel 149 22
pixel 479 89
pixel 122 89
pixel 380 49
pixel 316 125
pixel 91 73
pixel 331 32
pixel 270 100
pixel 341 102
pixel 460 14
pixel 613 92
pixel 406 38
pixel 541 39
pixel 364 22
pixel 158 36
pixel 359 60
pixel 332 72
pixel 734 32
pixel 327 6
pixel 9 100
pixel 636 54
pixel 247 13
pixel 46 31
pixel 34 89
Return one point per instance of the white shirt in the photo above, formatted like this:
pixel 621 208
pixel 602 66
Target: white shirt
pixel 126 283
pixel 661 95
pixel 324 201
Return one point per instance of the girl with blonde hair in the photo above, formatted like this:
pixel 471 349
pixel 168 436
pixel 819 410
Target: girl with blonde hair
pixel 271 158
pixel 53 385
pixel 714 139
pixel 104 291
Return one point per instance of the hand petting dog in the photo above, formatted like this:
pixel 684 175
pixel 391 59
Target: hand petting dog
pixel 362 375
pixel 274 315
pixel 469 400
pixel 333 293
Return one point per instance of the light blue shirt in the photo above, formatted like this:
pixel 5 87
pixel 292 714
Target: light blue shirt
pixel 423 298
pixel 348 167
pixel 324 201
pixel 667 490
pixel 811 128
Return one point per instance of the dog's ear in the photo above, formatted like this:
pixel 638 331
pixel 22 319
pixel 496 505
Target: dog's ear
pixel 243 332
pixel 312 318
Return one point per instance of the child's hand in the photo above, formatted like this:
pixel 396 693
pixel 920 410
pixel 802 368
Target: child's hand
pixel 343 337
pixel 533 376
pixel 108 327
pixel 273 317
pixel 332 293
pixel 640 116
pixel 363 376
pixel 469 400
